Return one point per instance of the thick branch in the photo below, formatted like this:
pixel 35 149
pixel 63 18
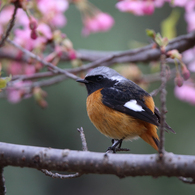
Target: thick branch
pixel 144 54
pixel 83 162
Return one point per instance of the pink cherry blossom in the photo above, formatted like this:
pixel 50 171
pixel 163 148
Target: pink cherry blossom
pixel 15 94
pixel 1 31
pixel 190 19
pixel 138 8
pixel 148 8
pixel 159 3
pixel 101 22
pixel 188 58
pixel 29 69
pixel 44 30
pixel 22 18
pixel 18 68
pixel 23 36
pixel 189 6
pixel 186 93
pixel 6 14
pixel 53 11
pixel 15 68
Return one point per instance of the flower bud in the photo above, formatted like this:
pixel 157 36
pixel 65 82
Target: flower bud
pixel 32 23
pixel 178 80
pixel 174 54
pixel 185 72
pixel 33 34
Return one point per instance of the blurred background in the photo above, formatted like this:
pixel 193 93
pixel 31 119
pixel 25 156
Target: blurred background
pixel 56 126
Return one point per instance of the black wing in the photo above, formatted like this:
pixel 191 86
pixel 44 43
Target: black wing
pixel 116 98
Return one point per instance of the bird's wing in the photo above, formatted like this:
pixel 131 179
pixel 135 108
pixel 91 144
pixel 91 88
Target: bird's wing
pixel 129 103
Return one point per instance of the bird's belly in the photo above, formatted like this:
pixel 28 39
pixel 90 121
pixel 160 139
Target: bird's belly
pixel 110 122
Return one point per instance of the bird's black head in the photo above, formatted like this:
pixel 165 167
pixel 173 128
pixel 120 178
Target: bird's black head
pixel 100 77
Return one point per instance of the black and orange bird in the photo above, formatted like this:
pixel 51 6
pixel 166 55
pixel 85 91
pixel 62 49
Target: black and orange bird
pixel 120 109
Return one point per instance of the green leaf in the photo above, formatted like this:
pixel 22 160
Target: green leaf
pixel 168 26
pixel 2 83
pixel 158 39
pixel 150 33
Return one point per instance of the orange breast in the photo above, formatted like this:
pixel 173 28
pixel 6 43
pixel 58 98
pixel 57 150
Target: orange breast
pixel 111 122
pixel 118 125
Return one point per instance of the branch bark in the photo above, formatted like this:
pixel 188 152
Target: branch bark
pixel 163 93
pixel 11 24
pixel 144 54
pixel 84 162
pixel 2 183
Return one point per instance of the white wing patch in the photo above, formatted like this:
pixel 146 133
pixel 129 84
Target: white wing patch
pixel 132 105
pixel 118 78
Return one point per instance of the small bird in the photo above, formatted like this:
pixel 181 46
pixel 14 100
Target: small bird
pixel 120 109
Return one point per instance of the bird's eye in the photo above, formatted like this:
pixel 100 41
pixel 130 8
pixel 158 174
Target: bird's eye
pixel 99 78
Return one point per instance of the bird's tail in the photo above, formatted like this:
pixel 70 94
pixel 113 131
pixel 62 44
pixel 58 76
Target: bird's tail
pixel 151 137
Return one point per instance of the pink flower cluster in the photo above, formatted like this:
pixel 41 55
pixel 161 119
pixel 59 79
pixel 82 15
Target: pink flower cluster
pixel 101 22
pixel 138 8
pixel 186 93
pixel 147 7
pixel 33 33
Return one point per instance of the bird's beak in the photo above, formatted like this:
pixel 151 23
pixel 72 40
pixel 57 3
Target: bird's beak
pixel 82 81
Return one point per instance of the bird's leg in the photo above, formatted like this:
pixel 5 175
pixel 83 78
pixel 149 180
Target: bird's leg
pixel 115 143
pixel 120 143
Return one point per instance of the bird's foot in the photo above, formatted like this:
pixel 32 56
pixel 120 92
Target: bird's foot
pixel 114 148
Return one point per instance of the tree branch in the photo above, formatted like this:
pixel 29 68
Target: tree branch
pixel 4 37
pixel 84 162
pixel 2 183
pixel 69 176
pixel 163 93
pixel 60 176
pixel 144 54
pixel 53 68
pixel 83 139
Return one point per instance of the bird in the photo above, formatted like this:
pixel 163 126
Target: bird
pixel 120 109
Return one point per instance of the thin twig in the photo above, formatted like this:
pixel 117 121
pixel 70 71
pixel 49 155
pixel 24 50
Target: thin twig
pixel 163 105
pixel 53 68
pixel 34 76
pixel 69 176
pixel 60 176
pixel 48 82
pixel 83 139
pixel 2 182
pixel 4 37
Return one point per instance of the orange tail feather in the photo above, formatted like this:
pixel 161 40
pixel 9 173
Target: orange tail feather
pixel 151 138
